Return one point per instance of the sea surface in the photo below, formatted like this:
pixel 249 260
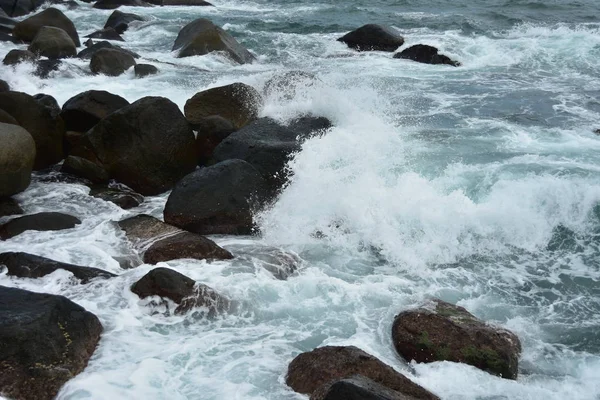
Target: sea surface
pixel 479 185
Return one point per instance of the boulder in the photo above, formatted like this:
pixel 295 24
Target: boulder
pixel 168 283
pixel 5 37
pixel 29 28
pixel 87 53
pixel 201 37
pixel 268 145
pixel 113 4
pixel 121 196
pixel 16 56
pixel 86 169
pixel 53 43
pixel 372 37
pixel 111 62
pixel 147 145
pixel 440 331
pixel 4 86
pixel 47 131
pixel 46 340
pixel 49 102
pixel 286 85
pixel 44 68
pixel 425 54
pixel 316 370
pixel 17 155
pixel 106 33
pixel 6 118
pixel 143 70
pixel 44 221
pixel 238 103
pixel 24 265
pixel 210 132
pixel 358 387
pixel 120 21
pixel 159 242
pixel 83 111
pixel 217 200
pixel 17 8
pixel 9 206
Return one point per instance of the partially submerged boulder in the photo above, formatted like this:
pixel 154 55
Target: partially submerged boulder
pixel 93 48
pixel 5 37
pixel 46 340
pixel 24 265
pixel 188 294
pixel 317 370
pixel 121 196
pixel 53 43
pixel 201 37
pixel 86 169
pixel 143 70
pixel 425 54
pixel 17 155
pixel 29 28
pixel 237 102
pixel 17 8
pixel 373 37
pixel 358 387
pixel 120 21
pixel 112 4
pixel 44 221
pixel 45 67
pixel 217 200
pixel 159 242
pixel 440 331
pixel 84 110
pixel 17 56
pixel 9 206
pixel 106 33
pixel 200 3
pixel 111 62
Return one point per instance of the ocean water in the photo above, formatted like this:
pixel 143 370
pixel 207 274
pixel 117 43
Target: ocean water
pixel 479 185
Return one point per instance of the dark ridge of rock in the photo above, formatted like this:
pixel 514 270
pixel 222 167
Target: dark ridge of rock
pixel 113 4
pixel 9 206
pixel 4 86
pixel 18 8
pixel 123 197
pixel 49 102
pixel 425 54
pixel 85 169
pixel 316 370
pixel 161 242
pixel 46 340
pixel 440 331
pixel 165 282
pixel 45 67
pixel 17 155
pixel 29 28
pixel 201 37
pixel 53 43
pixel 143 70
pixel 88 52
pixel 106 33
pixel 358 387
pixel 84 110
pixel 24 265
pixel 46 130
pixel 210 132
pixel 111 62
pixel 16 56
pixel 120 21
pixel 44 221
pixel 238 103
pixel 373 37
pixel 217 200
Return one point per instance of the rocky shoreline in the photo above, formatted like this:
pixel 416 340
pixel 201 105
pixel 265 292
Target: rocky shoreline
pixel 221 162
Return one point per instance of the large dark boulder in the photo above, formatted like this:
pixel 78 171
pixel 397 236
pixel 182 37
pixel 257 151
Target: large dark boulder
pixel 425 54
pixel 210 132
pixel 53 43
pixel 9 206
pixel 373 37
pixel 17 8
pixel 111 62
pixel 358 387
pixel 88 52
pixel 168 283
pixel 147 145
pixel 44 221
pixel 159 242
pixel 83 111
pixel 47 131
pixel 201 37
pixel 268 145
pixel 24 265
pixel 217 200
pixel 28 29
pixel 106 33
pixel 143 70
pixel 85 169
pixel 112 4
pixel 17 155
pixel 237 102
pixel 316 370
pixel 120 21
pixel 440 331
pixel 45 341
pixel 49 102
pixel 17 56
pixel 121 196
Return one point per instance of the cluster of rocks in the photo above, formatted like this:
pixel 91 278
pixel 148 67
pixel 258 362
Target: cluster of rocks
pixel 437 331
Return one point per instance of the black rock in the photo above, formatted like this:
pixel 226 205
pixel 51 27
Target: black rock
pixel 85 169
pixel 111 62
pixel 25 265
pixel 358 387
pixel 112 4
pixel 46 341
pixel 5 37
pixel 7 24
pixel 142 70
pixel 83 111
pixel 122 196
pixel 425 54
pixel 17 56
pixel 373 37
pixel 44 221
pixel 53 43
pixel 29 28
pixel 106 33
pixel 87 53
pixel 120 21
pixel 210 132
pixel 44 68
pixel 4 86
pixel 9 206
pixel 49 102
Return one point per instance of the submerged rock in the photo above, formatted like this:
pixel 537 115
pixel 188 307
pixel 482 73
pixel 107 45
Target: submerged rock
pixel 9 206
pixel 106 33
pixel 5 37
pixel 44 221
pixel 17 8
pixel 83 111
pixel 358 387
pixel 315 371
pixel 53 43
pixel 45 67
pixel 85 169
pixel 17 155
pixel 425 54
pixel 121 196
pixel 440 331
pixel 24 265
pixel 120 21
pixel 188 294
pixel 201 37
pixel 16 56
pixel 29 28
pixel 87 53
pixel 143 70
pixel 112 4
pixel 217 200
pixel 46 340
pixel 111 62
pixel 373 37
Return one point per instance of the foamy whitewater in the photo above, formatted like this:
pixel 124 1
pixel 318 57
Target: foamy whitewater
pixel 479 185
